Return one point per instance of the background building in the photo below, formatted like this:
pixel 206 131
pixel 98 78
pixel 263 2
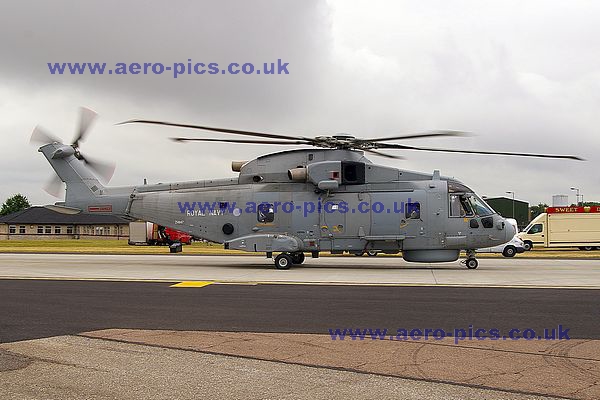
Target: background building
pixel 560 200
pixel 41 223
pixel 504 206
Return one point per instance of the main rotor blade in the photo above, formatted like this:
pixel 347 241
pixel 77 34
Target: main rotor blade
pixel 86 117
pixel 247 141
pixel 53 186
pixel 437 133
pixel 40 136
pixel 498 153
pixel 208 128
pixel 378 153
pixel 104 170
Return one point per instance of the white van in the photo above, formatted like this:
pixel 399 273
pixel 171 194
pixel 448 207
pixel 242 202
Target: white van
pixel 508 249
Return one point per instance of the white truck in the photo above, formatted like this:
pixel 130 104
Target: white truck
pixel 564 227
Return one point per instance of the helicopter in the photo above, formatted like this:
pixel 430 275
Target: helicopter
pixel 328 197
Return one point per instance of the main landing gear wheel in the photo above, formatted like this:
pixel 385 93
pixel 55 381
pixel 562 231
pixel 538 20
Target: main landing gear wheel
pixel 297 258
pixel 283 261
pixel 472 263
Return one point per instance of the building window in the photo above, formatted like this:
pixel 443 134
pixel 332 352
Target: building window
pixel 120 230
pixel 48 230
pixel 22 230
pixel 40 230
pixel 12 229
pixel 107 230
pixel 57 230
pixel 69 230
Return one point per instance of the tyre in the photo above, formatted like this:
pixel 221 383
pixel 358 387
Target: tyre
pixel 297 258
pixel 372 253
pixel 528 245
pixel 472 263
pixel 509 251
pixel 283 261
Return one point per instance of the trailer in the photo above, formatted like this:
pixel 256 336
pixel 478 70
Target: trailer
pixel 147 233
pixel 564 227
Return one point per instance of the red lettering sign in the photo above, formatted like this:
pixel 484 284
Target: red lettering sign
pixel 565 210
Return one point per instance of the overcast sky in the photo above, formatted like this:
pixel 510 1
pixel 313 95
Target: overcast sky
pixel 523 76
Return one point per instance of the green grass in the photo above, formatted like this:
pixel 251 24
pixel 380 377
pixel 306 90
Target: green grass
pixel 91 246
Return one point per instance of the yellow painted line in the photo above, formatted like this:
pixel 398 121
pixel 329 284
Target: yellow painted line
pixel 192 284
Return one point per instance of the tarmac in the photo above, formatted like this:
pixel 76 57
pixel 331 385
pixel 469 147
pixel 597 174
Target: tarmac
pixel 492 272
pixel 188 327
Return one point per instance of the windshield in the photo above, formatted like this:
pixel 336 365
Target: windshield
pixel 480 207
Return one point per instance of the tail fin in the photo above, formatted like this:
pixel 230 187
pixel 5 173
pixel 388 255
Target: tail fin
pixel 83 187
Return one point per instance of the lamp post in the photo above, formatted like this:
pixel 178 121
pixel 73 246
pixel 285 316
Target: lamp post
pixel 576 194
pixel 513 202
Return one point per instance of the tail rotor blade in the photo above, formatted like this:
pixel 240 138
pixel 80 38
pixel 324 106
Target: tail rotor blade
pixel 53 186
pixel 40 136
pixel 104 170
pixel 86 117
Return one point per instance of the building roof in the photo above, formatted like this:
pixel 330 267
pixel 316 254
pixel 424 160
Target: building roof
pixel 42 215
pixel 504 198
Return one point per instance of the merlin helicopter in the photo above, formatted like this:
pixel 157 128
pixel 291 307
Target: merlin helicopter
pixel 327 197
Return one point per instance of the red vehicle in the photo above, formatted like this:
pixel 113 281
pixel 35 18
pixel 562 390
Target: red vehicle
pixel 141 233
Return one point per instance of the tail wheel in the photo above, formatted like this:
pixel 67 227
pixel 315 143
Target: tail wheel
pixel 472 263
pixel 283 261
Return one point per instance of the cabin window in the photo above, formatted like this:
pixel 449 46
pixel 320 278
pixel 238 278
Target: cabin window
pixel 265 213
pixel 537 228
pixel 413 210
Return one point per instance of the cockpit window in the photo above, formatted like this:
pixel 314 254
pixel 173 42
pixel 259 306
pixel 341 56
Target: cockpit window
pixel 465 203
pixel 460 206
pixel 479 206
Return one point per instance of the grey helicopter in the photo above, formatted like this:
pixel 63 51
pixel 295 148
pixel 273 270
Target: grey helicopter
pixel 325 198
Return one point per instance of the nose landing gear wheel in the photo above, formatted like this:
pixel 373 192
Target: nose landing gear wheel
pixel 472 263
pixel 283 261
